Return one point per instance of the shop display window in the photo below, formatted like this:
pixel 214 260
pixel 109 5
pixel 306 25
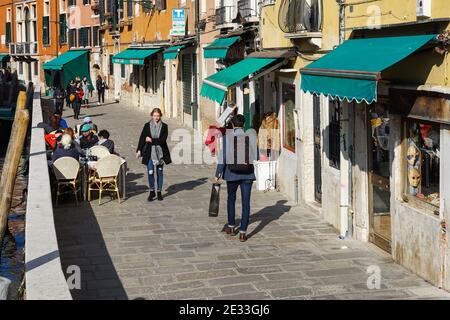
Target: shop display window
pixel 422 161
pixel 288 100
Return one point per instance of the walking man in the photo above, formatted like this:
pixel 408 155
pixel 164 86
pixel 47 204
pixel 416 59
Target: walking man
pixel 236 168
pixel 59 95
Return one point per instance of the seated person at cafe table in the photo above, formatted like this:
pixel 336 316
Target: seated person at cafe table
pixel 66 148
pixel 87 139
pixel 104 140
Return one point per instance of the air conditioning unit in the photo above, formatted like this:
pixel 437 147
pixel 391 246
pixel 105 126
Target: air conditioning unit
pixel 423 9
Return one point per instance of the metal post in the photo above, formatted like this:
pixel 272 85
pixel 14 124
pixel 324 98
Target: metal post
pixel 195 110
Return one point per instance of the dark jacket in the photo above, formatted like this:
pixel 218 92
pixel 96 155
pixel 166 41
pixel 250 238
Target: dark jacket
pixel 86 143
pixel 59 95
pixel 100 84
pixel 61 152
pixel 107 144
pixel 161 141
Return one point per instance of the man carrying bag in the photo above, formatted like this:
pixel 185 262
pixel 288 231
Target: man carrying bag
pixel 235 166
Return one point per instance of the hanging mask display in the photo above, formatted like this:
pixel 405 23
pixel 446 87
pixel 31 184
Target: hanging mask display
pixel 414 177
pixel 412 155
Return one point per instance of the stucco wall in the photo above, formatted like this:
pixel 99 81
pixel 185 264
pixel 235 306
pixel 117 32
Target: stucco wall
pixel 391 12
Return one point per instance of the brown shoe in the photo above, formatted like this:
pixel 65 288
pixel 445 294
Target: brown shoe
pixel 229 230
pixel 243 237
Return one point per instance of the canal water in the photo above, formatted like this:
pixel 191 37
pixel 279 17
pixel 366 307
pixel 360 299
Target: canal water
pixel 12 253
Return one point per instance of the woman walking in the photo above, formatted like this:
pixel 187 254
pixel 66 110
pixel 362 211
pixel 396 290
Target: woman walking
pixel 100 84
pixel 153 149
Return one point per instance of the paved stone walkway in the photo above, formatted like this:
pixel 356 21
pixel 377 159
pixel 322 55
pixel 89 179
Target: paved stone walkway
pixel 173 250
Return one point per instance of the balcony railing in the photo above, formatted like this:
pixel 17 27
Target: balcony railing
pixel 225 15
pixel 248 9
pixel 23 48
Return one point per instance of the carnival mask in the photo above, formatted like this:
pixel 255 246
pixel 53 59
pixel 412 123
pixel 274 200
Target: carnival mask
pixel 412 155
pixel 414 177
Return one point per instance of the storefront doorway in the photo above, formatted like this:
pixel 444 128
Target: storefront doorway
pixel 379 172
pixel 317 150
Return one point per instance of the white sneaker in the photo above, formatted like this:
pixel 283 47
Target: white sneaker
pixel 98 103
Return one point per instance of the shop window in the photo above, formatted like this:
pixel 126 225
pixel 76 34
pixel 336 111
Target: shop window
pixel 422 162
pixel 334 132
pixel 20 67
pixel 288 102
pixel 36 68
pixel 151 83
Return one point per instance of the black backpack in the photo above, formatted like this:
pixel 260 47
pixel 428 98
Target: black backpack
pixel 241 168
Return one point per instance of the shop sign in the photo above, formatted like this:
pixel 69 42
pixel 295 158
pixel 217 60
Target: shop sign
pixel 178 23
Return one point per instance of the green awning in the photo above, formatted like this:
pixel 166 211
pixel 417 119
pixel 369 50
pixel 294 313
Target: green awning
pixel 68 66
pixel 134 55
pixel 172 52
pixel 4 56
pixel 219 48
pixel 215 86
pixel 353 69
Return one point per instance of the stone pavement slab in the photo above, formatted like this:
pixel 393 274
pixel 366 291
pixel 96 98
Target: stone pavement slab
pixel 173 250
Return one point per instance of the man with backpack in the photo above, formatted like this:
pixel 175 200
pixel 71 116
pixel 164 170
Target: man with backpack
pixel 235 166
pixel 59 95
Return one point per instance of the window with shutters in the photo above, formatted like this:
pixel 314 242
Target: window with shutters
pixel 122 71
pixel 86 2
pixel 334 133
pixel 72 3
pixel 46 30
pixel 129 8
pixel 111 65
pixel 73 38
pixel 8 32
pixel 120 11
pixel 83 37
pixel 95 36
pixel 62 28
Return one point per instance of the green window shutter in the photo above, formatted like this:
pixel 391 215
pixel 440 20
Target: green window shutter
pixel 8 32
pixel 45 30
pixel 62 28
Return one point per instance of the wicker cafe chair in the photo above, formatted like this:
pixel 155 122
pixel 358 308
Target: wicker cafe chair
pixel 66 171
pixel 105 177
pixel 99 151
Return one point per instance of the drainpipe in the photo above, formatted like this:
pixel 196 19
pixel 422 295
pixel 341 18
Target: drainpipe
pixel 346 211
pixel 342 6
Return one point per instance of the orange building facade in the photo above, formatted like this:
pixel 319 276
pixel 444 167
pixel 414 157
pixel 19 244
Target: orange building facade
pixel 32 33
pixel 126 24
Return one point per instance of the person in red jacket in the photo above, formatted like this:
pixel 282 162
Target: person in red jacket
pixel 79 95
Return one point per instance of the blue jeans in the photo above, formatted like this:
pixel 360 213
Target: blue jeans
pixel 151 175
pixel 246 190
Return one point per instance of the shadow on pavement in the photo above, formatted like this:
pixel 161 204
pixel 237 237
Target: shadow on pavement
pixel 81 243
pixel 264 216
pixel 184 186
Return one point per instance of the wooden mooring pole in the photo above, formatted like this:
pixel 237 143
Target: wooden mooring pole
pixel 12 160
